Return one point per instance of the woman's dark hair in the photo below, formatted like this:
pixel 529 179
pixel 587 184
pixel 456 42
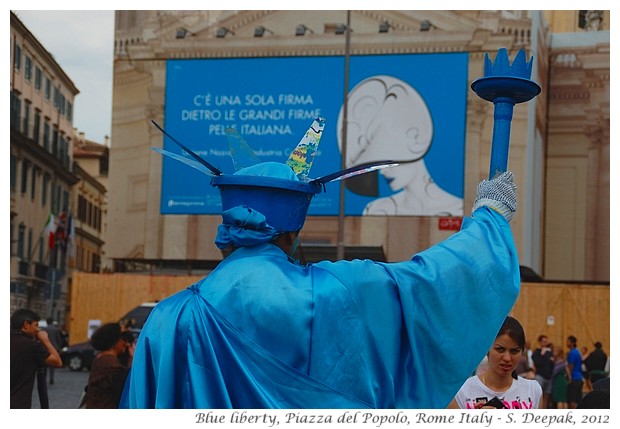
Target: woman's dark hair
pixel 514 330
pixel 106 336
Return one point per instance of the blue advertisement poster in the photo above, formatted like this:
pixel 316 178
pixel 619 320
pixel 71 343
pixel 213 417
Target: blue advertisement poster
pixel 408 107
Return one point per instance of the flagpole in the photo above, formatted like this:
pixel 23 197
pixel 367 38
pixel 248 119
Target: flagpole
pixel 36 245
pixel 50 303
pixel 345 119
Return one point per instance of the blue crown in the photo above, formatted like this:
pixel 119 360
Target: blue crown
pixel 502 67
pixel 504 82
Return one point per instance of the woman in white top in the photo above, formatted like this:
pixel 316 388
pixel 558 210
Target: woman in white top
pixel 499 386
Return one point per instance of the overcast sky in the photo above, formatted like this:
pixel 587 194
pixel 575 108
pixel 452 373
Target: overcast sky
pixel 82 42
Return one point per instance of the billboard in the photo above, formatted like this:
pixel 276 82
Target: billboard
pixel 409 107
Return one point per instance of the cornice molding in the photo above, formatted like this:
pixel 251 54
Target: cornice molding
pixel 463 33
pixel 234 22
pixel 156 52
pixel 133 76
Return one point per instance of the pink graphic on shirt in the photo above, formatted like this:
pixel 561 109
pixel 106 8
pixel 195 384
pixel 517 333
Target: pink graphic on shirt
pixel 515 404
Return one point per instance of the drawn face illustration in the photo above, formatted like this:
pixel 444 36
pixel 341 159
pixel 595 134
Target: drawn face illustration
pixel 398 177
pixel 387 119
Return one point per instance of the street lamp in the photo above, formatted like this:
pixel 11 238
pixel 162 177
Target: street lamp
pixel 301 29
pixel 384 27
pixel 426 25
pixel 222 32
pixel 181 33
pixel 260 31
pixel 341 28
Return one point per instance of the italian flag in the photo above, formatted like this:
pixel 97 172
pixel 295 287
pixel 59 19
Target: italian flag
pixel 50 228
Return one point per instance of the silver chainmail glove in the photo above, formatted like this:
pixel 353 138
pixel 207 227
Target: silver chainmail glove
pixel 499 194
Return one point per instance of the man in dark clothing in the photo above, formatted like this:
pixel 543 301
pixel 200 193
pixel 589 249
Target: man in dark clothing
pixel 543 365
pixel 30 349
pixel 596 399
pixel 595 363
pixel 57 340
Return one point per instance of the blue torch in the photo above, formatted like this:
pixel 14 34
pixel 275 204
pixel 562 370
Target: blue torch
pixel 505 85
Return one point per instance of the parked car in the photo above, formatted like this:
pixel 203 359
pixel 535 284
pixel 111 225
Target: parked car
pixel 138 316
pixel 78 356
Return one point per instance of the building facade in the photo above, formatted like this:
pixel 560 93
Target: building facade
pixel 58 192
pixel 90 195
pixel 42 100
pixel 577 161
pixel 559 149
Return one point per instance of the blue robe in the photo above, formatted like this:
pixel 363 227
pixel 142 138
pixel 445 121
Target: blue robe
pixel 262 331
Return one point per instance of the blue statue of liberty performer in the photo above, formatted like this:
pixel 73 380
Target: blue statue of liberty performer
pixel 264 331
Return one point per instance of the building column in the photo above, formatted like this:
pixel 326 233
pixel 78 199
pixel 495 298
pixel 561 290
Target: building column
pixel 598 199
pixel 479 112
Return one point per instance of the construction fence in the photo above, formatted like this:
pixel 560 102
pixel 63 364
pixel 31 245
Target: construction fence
pixel 554 309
